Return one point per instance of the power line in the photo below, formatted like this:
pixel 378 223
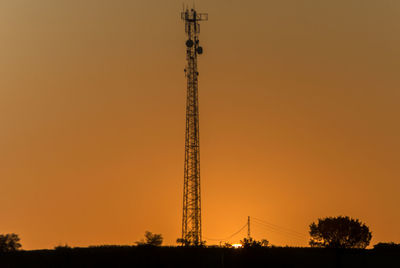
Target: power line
pixel 271 227
pixel 277 226
pixel 280 230
pixel 229 237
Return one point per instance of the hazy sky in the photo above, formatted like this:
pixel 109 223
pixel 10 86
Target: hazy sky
pixel 299 118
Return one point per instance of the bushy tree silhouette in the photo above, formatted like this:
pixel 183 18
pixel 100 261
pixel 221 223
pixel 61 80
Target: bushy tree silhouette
pixel 151 240
pixel 339 232
pixel 252 243
pixel 9 242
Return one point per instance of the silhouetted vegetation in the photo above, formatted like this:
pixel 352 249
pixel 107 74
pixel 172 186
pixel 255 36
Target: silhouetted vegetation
pixel 186 243
pixel 182 242
pixel 62 247
pixel 149 253
pixel 252 243
pixel 193 257
pixel 339 232
pixel 9 243
pixel 390 245
pixel 151 239
pixel 227 245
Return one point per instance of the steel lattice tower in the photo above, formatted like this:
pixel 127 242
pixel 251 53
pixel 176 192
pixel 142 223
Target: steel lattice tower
pixel 191 220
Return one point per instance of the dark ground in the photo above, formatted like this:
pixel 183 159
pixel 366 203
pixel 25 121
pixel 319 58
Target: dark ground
pixel 200 257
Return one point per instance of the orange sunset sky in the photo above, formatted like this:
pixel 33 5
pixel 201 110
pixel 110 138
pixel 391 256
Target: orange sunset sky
pixel 299 118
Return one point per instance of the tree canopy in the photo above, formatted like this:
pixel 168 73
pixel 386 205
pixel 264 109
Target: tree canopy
pixel 252 243
pixel 339 232
pixel 9 242
pixel 151 240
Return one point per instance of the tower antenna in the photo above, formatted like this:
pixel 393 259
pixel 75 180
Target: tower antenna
pixel 191 219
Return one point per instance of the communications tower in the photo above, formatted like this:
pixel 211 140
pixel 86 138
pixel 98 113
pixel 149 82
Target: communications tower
pixel 191 220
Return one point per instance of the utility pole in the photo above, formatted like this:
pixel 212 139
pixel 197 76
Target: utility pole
pixel 248 228
pixel 191 220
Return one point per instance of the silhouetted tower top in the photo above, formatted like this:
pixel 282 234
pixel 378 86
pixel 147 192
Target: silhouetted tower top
pixel 191 220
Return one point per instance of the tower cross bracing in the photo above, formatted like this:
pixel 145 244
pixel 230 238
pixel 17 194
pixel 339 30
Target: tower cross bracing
pixel 191 219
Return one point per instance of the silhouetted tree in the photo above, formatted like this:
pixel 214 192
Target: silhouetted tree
pixel 151 240
pixel 339 232
pixel 9 242
pixel 252 243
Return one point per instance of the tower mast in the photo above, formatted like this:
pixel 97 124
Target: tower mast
pixel 191 220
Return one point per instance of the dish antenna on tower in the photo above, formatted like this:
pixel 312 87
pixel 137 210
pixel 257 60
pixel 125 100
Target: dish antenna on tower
pixel 191 219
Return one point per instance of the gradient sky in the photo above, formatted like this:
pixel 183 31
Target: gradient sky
pixel 299 118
